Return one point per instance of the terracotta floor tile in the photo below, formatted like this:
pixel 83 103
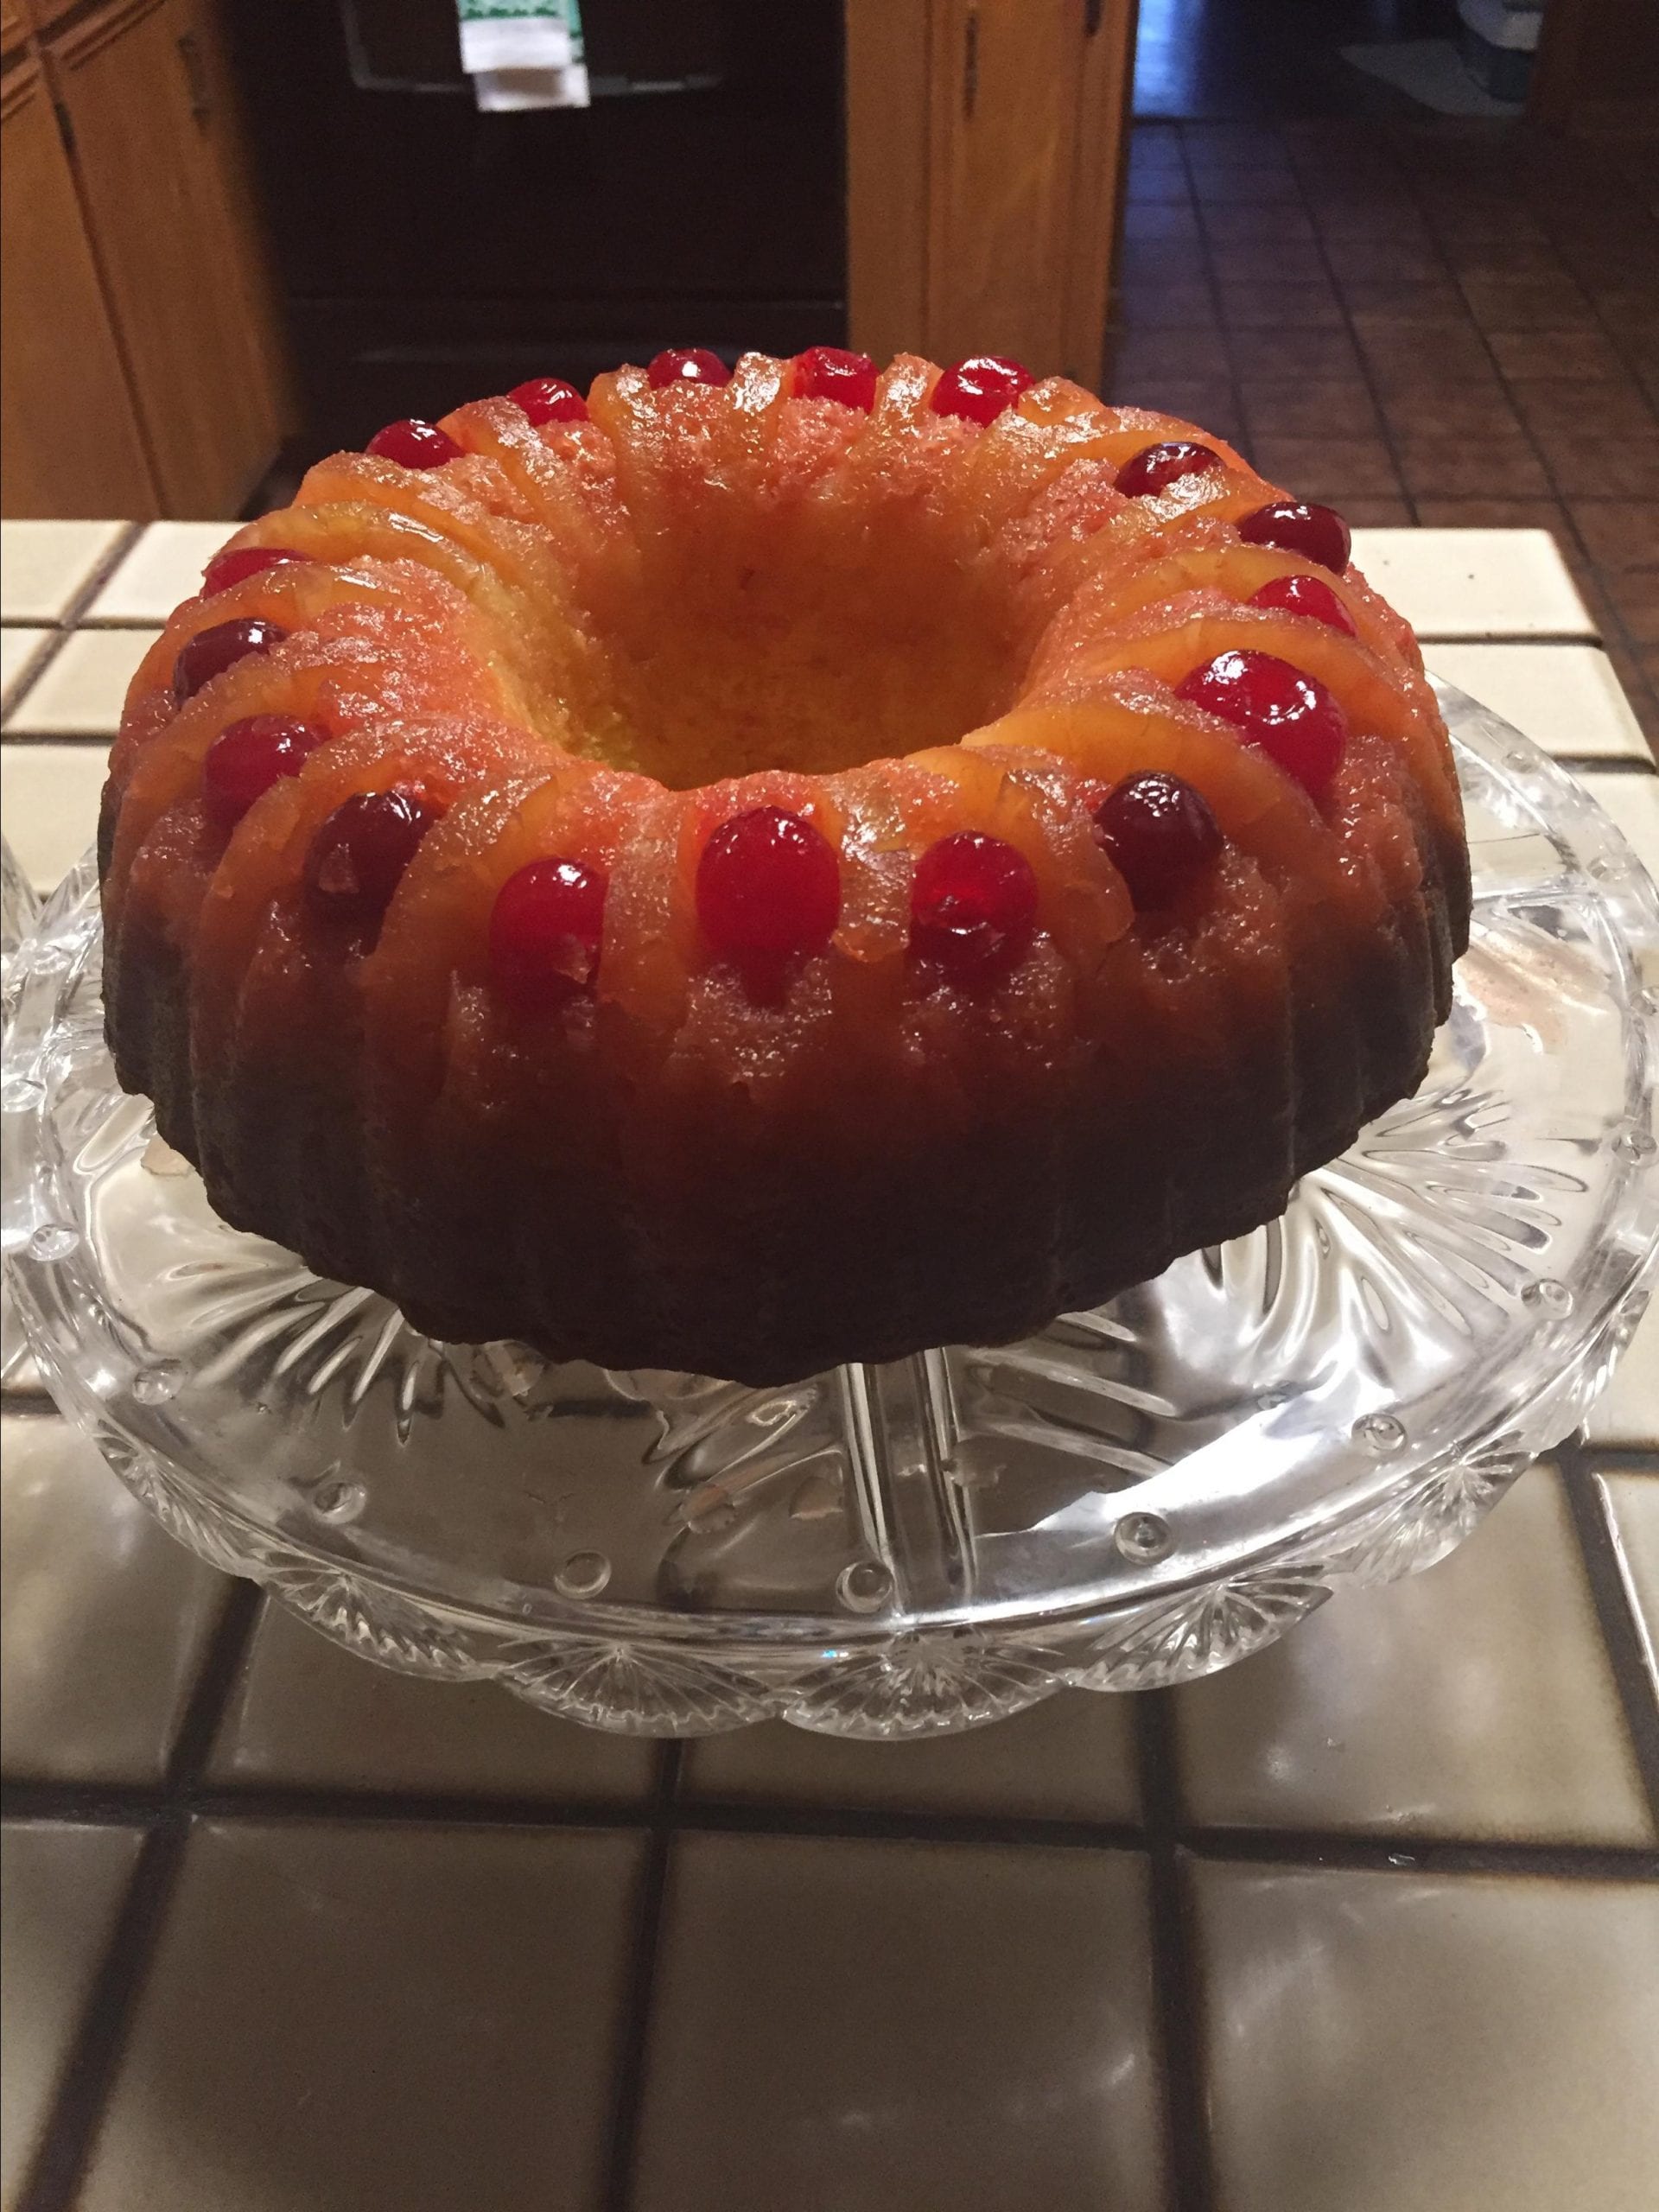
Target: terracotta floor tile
pixel 1270 353
pixel 1403 2041
pixel 1527 303
pixel 906 2026
pixel 1368 513
pixel 1571 407
pixel 1279 307
pixel 1470 410
pixel 1458 466
pixel 1141 356
pixel 1400 359
pixel 1504 255
pixel 1298 409
pixel 1619 533
pixel 1412 306
pixel 1584 462
pixel 1328 468
pixel 1635 595
pixel 376 2019
pixel 1495 514
pixel 1383 259
pixel 1587 355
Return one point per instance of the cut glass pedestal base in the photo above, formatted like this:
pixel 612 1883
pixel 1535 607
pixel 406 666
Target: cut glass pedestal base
pixel 1138 1496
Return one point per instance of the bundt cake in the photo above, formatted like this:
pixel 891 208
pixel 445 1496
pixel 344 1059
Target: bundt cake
pixel 758 869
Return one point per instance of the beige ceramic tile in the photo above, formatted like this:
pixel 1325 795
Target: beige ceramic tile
pixel 1633 803
pixel 1071 1758
pixel 1395 2041
pixel 376 2019
pixel 49 798
pixel 20 651
pixel 306 1712
pixel 43 565
pixel 1475 583
pixel 59 1888
pixel 1566 698
pixel 103 1619
pixel 164 567
pixel 1473 1699
pixel 1626 1415
pixel 901 2025
pixel 1633 1503
pixel 82 693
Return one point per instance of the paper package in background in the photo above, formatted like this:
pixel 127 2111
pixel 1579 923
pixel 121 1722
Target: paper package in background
pixel 523 53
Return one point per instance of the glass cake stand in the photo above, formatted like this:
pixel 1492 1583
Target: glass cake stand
pixel 1138 1496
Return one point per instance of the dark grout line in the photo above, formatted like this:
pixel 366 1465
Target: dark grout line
pixel 55 2175
pixel 74 739
pixel 629 2080
pixel 216 1678
pixel 1177 1992
pixel 1407 1854
pixel 1621 1639
pixel 70 619
pixel 1619 1459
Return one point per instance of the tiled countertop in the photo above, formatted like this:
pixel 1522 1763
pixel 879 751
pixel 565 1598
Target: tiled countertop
pixel 1368 1924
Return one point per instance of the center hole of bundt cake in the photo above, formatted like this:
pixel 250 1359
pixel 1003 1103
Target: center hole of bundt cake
pixel 734 659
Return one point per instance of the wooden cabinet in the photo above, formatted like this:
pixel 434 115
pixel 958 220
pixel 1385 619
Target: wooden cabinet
pixel 69 437
pixel 985 142
pixel 149 172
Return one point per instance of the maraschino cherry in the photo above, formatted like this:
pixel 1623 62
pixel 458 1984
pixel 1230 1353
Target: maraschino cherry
pixel 237 562
pixel 768 891
pixel 831 372
pixel 545 930
pixel 358 854
pixel 973 906
pixel 248 757
pixel 1289 716
pixel 1298 526
pixel 549 399
pixel 1155 468
pixel 686 365
pixel 980 388
pixel 211 651
pixel 1307 595
pixel 1161 835
pixel 414 444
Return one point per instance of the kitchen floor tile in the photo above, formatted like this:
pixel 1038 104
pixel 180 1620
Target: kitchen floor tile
pixel 307 1713
pixel 19 651
pixel 1069 1758
pixel 1633 803
pixel 1471 1700
pixel 1475 583
pixel 1471 410
pixel 1633 1503
pixel 1294 407
pixel 1566 698
pixel 1461 466
pixel 1627 1413
pixel 376 2019
pixel 82 693
pixel 1635 596
pixel 1142 358
pixel 103 1618
pixel 1396 2042
pixel 44 565
pixel 1277 353
pixel 49 796
pixel 1276 306
pixel 1569 407
pixel 1327 469
pixel 60 1887
pixel 1400 361
pixel 1538 302
pixel 1587 465
pixel 1145 305
pixel 1589 356
pixel 1619 534
pixel 164 567
pixel 1380 303
pixel 843 2023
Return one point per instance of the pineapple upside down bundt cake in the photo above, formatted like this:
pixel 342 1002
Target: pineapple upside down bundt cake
pixel 758 869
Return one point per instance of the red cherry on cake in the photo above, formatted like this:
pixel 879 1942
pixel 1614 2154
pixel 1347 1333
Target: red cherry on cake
pixel 1308 595
pixel 1298 526
pixel 979 388
pixel 414 444
pixel 248 757
pixel 545 930
pixel 359 855
pixel 768 889
pixel 1161 835
pixel 1289 716
pixel 1155 468
pixel 973 906
pixel 211 651
pixel 831 372
pixel 237 563
pixel 686 365
pixel 549 399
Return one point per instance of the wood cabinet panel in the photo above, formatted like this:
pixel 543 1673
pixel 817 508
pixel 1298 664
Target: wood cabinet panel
pixel 139 92
pixel 69 439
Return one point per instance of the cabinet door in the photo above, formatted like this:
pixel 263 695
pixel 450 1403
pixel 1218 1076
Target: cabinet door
pixel 985 143
pixel 69 440
pixel 180 267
